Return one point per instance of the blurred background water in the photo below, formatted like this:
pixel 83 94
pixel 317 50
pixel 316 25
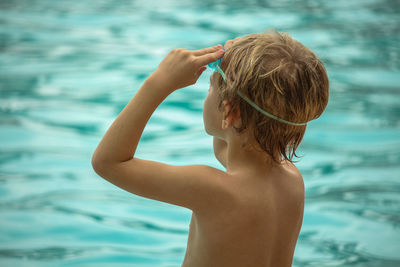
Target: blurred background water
pixel 67 68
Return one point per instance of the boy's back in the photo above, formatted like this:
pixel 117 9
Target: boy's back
pixel 258 228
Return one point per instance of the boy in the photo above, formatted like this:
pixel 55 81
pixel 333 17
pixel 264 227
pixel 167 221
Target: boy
pixel 266 89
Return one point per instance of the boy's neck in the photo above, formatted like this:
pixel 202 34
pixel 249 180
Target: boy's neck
pixel 246 158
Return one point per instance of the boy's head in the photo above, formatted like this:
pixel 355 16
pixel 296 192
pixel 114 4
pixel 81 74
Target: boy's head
pixel 282 77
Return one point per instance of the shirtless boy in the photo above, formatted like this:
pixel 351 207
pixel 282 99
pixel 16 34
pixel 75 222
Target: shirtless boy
pixel 265 90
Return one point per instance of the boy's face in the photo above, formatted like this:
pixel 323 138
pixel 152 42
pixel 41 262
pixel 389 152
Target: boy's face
pixel 212 117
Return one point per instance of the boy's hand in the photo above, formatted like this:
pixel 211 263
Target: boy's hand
pixel 181 67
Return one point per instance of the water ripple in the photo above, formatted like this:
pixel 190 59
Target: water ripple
pixel 50 201
pixel 68 70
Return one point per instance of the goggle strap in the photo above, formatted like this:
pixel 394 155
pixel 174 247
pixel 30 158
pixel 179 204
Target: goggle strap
pixel 221 72
pixel 251 103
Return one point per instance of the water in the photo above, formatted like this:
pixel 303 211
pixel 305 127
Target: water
pixel 68 68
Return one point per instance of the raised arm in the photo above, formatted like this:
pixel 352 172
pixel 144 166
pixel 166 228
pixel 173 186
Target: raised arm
pixel 114 158
pixel 220 150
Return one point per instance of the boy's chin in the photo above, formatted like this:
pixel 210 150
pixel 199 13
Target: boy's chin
pixel 209 131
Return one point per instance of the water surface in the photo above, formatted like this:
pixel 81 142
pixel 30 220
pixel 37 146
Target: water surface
pixel 68 68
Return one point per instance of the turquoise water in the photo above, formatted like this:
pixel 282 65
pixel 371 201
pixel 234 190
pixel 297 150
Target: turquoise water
pixel 68 68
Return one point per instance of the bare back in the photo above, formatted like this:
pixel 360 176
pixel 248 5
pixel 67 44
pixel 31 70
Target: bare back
pixel 259 228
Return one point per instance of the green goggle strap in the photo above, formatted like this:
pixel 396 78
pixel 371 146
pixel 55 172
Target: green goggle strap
pixel 251 103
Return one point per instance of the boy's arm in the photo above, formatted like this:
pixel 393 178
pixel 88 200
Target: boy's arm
pixel 220 150
pixel 194 186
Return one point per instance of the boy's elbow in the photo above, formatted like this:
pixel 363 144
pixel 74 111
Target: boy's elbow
pixel 95 165
pixel 98 166
pixel 106 168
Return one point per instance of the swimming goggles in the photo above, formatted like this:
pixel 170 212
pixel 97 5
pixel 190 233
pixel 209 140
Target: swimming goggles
pixel 216 67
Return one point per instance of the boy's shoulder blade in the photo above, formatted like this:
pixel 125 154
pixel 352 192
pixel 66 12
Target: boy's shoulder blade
pixel 213 187
pixel 280 186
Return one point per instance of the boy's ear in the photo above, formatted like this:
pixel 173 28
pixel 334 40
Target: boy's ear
pixel 231 116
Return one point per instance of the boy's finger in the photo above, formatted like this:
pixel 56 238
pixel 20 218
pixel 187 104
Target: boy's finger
pixel 206 50
pixel 210 57
pixel 229 43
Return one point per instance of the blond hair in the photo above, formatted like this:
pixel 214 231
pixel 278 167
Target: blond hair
pixel 282 77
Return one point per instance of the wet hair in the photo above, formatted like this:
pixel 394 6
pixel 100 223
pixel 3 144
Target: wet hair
pixel 281 76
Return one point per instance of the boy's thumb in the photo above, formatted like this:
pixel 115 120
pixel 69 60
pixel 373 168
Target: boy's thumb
pixel 200 71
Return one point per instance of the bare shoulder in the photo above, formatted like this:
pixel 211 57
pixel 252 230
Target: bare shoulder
pixel 281 186
pixel 290 187
pixel 270 189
